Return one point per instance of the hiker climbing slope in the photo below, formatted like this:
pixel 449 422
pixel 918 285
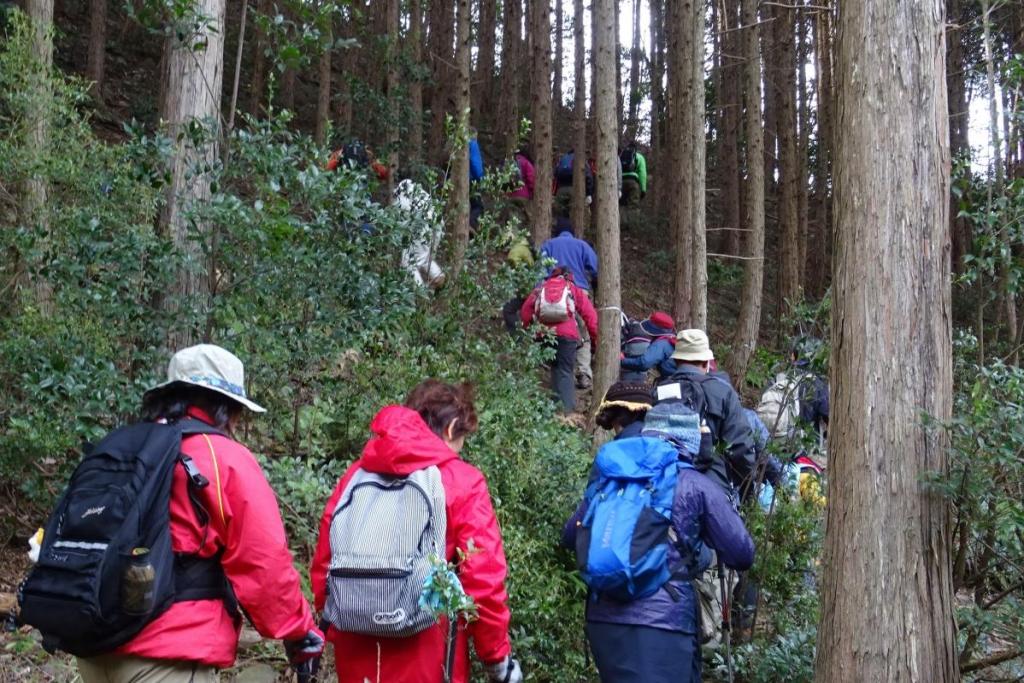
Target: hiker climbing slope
pixel 634 175
pixel 720 409
pixel 658 520
pixel 167 609
pixel 648 344
pixel 410 496
pixel 579 258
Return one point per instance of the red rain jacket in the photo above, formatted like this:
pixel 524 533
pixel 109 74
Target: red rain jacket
pixel 567 329
pixel 402 443
pixel 245 523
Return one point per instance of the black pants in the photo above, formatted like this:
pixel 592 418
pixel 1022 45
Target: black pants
pixel 640 654
pixel 563 373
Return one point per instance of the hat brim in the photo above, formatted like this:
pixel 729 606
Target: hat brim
pixel 254 407
pixel 696 355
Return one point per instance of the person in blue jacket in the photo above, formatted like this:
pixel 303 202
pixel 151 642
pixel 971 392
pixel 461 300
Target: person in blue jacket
pixel 659 328
pixel 476 173
pixel 657 639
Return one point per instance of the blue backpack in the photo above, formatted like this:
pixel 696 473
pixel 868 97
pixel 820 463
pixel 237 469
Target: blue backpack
pixel 622 545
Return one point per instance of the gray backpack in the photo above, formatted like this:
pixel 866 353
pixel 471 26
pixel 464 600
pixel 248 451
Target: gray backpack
pixel 383 532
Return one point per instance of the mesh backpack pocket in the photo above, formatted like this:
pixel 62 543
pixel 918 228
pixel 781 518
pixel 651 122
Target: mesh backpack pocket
pixel 383 533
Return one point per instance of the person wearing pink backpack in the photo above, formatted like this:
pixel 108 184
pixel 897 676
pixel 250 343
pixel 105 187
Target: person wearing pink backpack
pixel 555 303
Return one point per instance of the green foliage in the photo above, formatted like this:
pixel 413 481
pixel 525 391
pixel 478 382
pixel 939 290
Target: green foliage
pixel 984 485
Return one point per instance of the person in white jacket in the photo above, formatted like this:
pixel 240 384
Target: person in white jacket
pixel 419 257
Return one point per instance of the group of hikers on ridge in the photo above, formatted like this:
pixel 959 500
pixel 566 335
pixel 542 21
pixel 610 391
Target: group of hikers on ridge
pixel 168 534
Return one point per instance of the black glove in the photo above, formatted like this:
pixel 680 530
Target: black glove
pixel 305 649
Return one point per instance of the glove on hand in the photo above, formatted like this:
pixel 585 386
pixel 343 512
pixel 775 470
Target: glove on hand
pixel 505 671
pixel 306 648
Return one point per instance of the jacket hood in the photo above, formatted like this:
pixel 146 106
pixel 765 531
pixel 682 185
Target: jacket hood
pixel 402 443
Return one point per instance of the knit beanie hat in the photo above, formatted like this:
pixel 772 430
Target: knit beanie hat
pixel 634 396
pixel 674 422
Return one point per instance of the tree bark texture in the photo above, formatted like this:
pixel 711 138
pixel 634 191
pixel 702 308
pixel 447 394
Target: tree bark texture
pixel 393 92
pixel 803 144
pixel 557 97
pixel 323 100
pixel 511 76
pixel 541 75
pixel 34 198
pixel 442 20
pixel 658 162
pixel 635 94
pixel 194 80
pixel 460 160
pixel 749 322
pixel 97 50
pixel 415 45
pixel 606 356
pixel 887 597
pixel 258 80
pixel 731 72
pixel 686 97
pixel 579 197
pixel 789 167
pixel 483 81
pixel 819 249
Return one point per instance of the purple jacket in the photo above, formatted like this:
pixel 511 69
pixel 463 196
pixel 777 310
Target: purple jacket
pixel 704 520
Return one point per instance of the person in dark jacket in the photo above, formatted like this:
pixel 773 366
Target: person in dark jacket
pixel 730 432
pixel 656 639
pixel 661 329
pixel 814 395
pixel 623 409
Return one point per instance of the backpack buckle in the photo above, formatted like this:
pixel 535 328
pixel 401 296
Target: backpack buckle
pixel 194 475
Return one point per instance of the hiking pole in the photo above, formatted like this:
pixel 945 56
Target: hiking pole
pixel 726 621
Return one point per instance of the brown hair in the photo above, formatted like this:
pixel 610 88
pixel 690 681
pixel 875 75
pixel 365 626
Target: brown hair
pixel 439 403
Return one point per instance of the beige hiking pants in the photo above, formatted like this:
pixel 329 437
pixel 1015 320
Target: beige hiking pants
pixel 121 669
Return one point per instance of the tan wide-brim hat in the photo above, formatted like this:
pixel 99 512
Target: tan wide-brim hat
pixel 210 367
pixel 693 345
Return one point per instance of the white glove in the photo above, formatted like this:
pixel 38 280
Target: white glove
pixel 505 671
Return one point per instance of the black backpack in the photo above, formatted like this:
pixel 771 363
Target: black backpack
pixel 628 159
pixel 117 500
pixel 635 339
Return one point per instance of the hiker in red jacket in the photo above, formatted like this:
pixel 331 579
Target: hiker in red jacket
pixel 555 303
pixel 193 638
pixel 417 442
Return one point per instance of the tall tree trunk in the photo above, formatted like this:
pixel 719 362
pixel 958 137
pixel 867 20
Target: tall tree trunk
pixel 415 42
pixel 541 75
pixel 36 191
pixel 510 78
pixel 258 80
pixel 97 50
pixel 996 188
pixel 820 246
pixel 239 51
pixel 887 595
pixel 343 85
pixel 731 108
pixel 618 76
pixel 789 209
pixel 606 357
pixel 636 55
pixel 658 163
pixel 483 81
pixel 194 80
pixel 749 322
pixel 288 88
pixel 460 158
pixel 579 196
pixel 394 96
pixel 686 106
pixel 323 100
pixel 803 143
pixel 557 98
pixel 442 20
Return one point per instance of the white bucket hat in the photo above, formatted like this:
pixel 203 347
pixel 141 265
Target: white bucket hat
pixel 693 345
pixel 210 367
